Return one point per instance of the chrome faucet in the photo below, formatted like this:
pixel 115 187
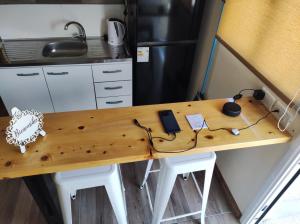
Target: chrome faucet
pixel 82 35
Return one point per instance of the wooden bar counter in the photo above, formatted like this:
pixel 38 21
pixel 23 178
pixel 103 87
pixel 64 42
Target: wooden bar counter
pixel 83 139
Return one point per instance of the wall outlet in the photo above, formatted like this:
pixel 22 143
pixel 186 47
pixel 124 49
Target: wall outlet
pixel 297 106
pixel 281 107
pixel 273 102
pixel 270 99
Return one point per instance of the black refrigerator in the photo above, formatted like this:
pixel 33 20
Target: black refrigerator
pixel 169 29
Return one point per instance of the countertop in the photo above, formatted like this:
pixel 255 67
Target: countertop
pixel 25 52
pixel 91 138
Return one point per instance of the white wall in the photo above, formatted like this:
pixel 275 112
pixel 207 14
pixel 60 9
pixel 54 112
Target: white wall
pixel 245 171
pixel 38 21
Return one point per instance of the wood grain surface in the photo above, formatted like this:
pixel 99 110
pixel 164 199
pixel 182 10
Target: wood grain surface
pixel 264 133
pixel 266 34
pixel 83 139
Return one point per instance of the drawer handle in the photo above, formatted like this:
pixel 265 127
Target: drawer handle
pixel 114 102
pixel 57 73
pixel 113 88
pixel 28 74
pixel 113 71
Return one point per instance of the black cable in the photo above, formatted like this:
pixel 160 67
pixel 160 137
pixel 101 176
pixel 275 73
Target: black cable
pixel 246 90
pixel 146 129
pixel 179 151
pixel 151 143
pixel 166 139
pixel 217 129
pixel 264 117
pixel 249 126
pixel 240 95
pixel 150 139
pixel 149 133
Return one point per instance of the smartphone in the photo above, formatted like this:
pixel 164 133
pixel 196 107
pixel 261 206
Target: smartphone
pixel 168 121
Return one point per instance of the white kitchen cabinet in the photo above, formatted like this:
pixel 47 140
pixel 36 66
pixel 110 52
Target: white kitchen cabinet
pixel 71 87
pixel 62 88
pixel 113 84
pixel 25 88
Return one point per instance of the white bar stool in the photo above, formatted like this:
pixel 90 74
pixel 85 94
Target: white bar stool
pixel 67 183
pixel 169 169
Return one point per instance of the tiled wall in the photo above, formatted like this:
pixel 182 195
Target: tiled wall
pixel 60 1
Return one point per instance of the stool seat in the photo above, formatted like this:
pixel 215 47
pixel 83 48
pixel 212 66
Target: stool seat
pixel 169 169
pixel 84 174
pixel 89 171
pixel 67 183
pixel 188 160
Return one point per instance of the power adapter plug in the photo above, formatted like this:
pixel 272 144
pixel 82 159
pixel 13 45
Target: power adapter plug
pixel 259 94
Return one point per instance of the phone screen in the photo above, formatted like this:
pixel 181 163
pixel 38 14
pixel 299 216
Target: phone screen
pixel 169 121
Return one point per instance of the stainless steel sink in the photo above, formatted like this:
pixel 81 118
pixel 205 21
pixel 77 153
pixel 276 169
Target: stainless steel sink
pixel 67 48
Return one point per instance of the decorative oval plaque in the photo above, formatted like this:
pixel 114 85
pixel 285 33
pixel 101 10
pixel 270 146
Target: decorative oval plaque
pixel 24 127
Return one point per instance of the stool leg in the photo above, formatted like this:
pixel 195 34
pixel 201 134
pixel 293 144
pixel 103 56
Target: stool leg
pixel 185 176
pixel 123 187
pixel 166 180
pixel 115 193
pixel 65 204
pixel 73 194
pixel 207 182
pixel 149 165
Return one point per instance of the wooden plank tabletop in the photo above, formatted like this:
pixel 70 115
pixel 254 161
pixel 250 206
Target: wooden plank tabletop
pixel 264 133
pixel 99 137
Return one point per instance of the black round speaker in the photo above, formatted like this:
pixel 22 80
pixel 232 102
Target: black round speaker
pixel 231 109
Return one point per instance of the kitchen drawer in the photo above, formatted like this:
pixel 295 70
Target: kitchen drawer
pixel 114 102
pixel 120 88
pixel 107 72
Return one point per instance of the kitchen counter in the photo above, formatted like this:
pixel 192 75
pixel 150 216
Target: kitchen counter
pixel 83 139
pixel 25 52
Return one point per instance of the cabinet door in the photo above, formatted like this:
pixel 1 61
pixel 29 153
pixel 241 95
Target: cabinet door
pixel 25 88
pixel 71 87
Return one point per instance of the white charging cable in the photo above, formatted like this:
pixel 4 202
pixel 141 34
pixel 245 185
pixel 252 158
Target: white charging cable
pixel 285 112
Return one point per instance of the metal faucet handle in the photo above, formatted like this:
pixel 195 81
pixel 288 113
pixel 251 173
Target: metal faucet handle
pixel 81 30
pixel 80 36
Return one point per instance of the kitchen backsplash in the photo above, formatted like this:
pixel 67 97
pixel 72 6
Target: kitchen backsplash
pixel 40 21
